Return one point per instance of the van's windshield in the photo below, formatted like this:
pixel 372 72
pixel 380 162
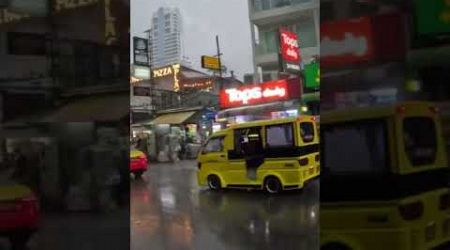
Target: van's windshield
pixel 355 147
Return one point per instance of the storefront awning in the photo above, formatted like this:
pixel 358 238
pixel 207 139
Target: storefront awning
pixel 173 118
pixel 92 109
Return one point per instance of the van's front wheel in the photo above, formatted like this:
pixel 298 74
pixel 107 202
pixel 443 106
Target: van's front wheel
pixel 272 185
pixel 214 182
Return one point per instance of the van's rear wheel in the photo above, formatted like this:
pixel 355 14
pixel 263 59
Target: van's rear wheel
pixel 214 182
pixel 272 185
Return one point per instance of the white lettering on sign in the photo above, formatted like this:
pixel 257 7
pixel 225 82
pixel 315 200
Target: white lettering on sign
pixel 255 93
pixel 289 41
pixel 162 72
pixel 357 46
pixel 72 4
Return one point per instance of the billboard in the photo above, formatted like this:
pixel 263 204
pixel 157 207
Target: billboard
pixel 272 91
pixel 289 51
pixel 140 51
pixel 210 62
pixel 312 75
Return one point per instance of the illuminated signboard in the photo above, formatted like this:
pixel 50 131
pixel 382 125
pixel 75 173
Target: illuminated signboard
pixel 210 62
pixel 312 75
pixel 61 5
pixel 290 51
pixel 279 90
pixel 110 25
pixel 169 71
pixel 205 84
pixel 346 42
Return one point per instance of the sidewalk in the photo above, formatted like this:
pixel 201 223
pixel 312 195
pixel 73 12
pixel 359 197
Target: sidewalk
pixel 83 231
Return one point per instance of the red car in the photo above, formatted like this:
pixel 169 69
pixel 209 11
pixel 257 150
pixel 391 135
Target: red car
pixel 19 214
pixel 139 163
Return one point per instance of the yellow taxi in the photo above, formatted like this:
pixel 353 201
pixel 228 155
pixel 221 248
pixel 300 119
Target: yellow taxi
pixel 384 182
pixel 273 155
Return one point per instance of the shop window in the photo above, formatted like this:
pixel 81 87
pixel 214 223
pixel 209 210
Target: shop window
pixel 306 32
pixel 280 135
pixel 268 42
pixel 307 131
pixel 214 145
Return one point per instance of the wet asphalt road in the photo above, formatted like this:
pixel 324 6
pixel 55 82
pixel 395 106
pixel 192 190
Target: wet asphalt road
pixel 169 211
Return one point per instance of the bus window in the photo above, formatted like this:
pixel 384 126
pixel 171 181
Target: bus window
pixel 355 148
pixel 419 135
pixel 307 131
pixel 248 141
pixel 280 135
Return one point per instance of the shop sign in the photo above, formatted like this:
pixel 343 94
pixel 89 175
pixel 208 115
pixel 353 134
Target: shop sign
pixel 290 51
pixel 312 75
pixel 140 51
pixel 110 24
pixel 7 16
pixel 169 71
pixel 433 17
pixel 61 5
pixel 211 62
pixel 255 94
pixel 205 84
pixel 162 72
pixel 142 72
pixel 346 42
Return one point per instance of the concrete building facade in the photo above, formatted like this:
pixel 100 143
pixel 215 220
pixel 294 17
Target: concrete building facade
pixel 165 37
pixel 266 17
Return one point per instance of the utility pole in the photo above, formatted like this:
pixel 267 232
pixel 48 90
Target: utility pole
pixel 220 62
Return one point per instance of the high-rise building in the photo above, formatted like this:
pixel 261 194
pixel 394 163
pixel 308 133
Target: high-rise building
pixel 165 37
pixel 267 16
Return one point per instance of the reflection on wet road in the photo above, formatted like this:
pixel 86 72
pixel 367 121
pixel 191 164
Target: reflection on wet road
pixel 169 211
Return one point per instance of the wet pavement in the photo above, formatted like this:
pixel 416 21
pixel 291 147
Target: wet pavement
pixel 169 211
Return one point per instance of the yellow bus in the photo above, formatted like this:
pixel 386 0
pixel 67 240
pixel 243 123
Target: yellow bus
pixel 274 155
pixel 384 182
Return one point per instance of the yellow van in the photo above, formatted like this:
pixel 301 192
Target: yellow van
pixel 274 155
pixel 384 182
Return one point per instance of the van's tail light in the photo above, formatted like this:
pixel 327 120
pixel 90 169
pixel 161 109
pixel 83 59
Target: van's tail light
pixel 303 162
pixel 444 202
pixel 317 158
pixel 411 211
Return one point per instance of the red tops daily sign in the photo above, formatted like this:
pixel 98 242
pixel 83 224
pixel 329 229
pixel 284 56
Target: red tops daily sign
pixel 290 51
pixel 279 90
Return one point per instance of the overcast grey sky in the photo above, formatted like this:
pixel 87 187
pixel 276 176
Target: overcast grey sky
pixel 202 21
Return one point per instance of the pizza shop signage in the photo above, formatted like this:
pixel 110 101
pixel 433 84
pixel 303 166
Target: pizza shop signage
pixel 279 90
